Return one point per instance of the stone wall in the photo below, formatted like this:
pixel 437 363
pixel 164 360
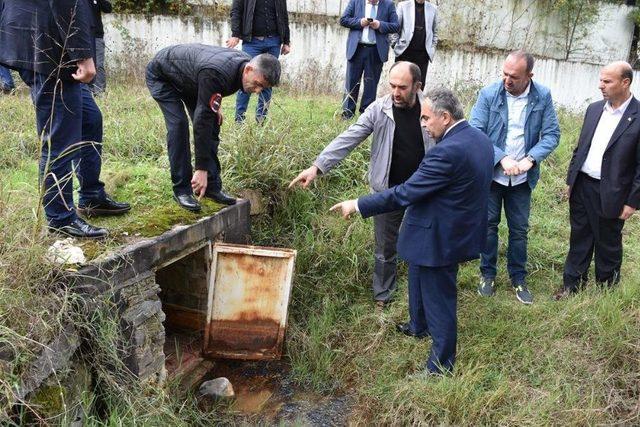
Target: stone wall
pixel 122 288
pixel 141 319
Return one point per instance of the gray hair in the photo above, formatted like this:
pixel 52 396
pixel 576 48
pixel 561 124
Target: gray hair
pixel 441 100
pixel 269 66
pixel 523 54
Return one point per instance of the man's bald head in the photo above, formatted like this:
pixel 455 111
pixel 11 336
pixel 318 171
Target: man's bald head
pixel 404 79
pixel 407 68
pixel 615 82
pixel 622 68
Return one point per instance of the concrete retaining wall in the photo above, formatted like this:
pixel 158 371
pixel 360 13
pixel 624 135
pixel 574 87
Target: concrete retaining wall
pixel 318 56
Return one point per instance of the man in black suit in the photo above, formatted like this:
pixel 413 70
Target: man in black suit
pixel 604 181
pixel 51 45
pixel 445 222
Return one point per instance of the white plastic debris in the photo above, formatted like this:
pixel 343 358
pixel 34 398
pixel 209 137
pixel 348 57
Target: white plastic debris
pixel 65 252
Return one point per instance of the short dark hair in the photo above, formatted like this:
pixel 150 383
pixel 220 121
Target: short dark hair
pixel 627 73
pixel 441 100
pixel 269 66
pixel 523 54
pixel 416 74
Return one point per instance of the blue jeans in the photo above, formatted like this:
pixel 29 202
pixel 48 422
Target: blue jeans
pixel 254 48
pixel 65 116
pixel 517 206
pixel 6 81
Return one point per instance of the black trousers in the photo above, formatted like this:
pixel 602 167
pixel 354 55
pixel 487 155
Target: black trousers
pixel 173 109
pixel 420 58
pixel 591 233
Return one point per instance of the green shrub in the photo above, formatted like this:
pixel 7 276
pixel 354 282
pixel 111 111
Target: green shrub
pixel 168 7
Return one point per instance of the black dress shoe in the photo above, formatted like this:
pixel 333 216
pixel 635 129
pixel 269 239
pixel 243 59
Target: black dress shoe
pixel 564 293
pixel 220 197
pixel 103 207
pixel 81 229
pixel 188 202
pixel 405 328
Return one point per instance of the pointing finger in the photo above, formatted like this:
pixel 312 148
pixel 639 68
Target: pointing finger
pixel 295 180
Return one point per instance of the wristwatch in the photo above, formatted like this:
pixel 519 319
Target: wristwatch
pixel 531 159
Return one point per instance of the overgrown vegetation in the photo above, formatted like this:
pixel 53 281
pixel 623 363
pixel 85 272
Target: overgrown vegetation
pixel 572 363
pixel 166 7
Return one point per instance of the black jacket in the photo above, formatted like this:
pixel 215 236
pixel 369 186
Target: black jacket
pixel 98 7
pixel 242 19
pixel 620 173
pixel 45 35
pixel 197 72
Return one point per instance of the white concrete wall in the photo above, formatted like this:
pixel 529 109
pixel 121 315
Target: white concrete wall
pixel 510 24
pixel 318 52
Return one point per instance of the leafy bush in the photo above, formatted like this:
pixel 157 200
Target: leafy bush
pixel 169 7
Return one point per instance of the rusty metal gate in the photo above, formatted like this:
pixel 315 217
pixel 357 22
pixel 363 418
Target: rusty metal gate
pixel 249 292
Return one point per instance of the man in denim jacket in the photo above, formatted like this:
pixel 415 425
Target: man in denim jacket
pixel 519 118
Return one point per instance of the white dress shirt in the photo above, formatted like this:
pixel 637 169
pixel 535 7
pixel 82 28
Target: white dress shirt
pixel 514 144
pixel 608 123
pixel 365 31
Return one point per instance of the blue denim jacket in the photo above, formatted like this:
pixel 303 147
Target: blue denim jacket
pixel 542 132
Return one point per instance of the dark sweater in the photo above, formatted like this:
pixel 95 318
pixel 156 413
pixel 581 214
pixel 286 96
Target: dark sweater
pixel 419 31
pixel 99 7
pixel 265 19
pixel 408 145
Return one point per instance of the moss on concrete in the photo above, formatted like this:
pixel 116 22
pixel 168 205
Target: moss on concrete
pixel 147 187
pixel 163 218
pixel 61 400
pixel 49 399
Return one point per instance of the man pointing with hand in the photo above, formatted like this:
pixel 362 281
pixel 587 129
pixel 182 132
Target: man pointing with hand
pixel 398 144
pixel 445 221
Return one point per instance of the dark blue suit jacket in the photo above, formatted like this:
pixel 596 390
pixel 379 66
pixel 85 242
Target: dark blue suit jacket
pixel 446 199
pixel 388 24
pixel 33 33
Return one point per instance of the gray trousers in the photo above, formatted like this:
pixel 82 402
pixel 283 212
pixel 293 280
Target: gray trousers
pixel 386 227
pixel 99 83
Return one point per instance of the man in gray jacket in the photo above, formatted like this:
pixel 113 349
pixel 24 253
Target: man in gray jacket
pixel 399 144
pixel 417 39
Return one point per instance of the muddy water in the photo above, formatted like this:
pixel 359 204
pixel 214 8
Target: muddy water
pixel 266 393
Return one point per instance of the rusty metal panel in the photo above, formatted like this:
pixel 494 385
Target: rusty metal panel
pixel 248 300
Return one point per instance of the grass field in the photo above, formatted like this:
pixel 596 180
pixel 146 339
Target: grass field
pixel 573 362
